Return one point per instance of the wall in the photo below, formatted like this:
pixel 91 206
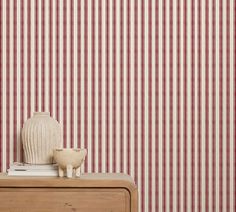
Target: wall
pixel 146 86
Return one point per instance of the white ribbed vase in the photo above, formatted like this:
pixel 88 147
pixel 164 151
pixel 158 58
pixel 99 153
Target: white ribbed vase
pixel 40 135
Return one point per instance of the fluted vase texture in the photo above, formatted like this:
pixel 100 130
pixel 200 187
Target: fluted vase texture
pixel 40 135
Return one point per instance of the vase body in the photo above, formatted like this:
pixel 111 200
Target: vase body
pixel 40 135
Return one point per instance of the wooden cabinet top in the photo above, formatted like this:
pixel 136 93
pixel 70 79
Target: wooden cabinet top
pixel 98 187
pixel 86 180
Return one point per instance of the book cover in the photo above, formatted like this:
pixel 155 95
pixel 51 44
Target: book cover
pixel 25 166
pixel 49 173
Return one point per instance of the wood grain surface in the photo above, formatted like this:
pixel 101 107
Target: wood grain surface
pixel 91 192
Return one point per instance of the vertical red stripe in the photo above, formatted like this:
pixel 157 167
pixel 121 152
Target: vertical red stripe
pixel 213 106
pixel 143 102
pixel 29 58
pixel 207 106
pixel 171 105
pixel 43 56
pixel 8 82
pixel 150 105
pixel 128 86
pixel 50 59
pixel 178 108
pixel 122 85
pixel 15 78
pixel 36 56
pixel 107 87
pixel 193 199
pixel 86 79
pixel 199 108
pixel 157 106
pixel 100 114
pixel 1 84
pixel 136 131
pixel 65 73
pixel 57 62
pixel 22 72
pixel 185 109
pixel 221 106
pixel 72 73
pixel 234 106
pixel 93 86
pixel 164 107
pixel 228 202
pixel 114 88
pixel 79 72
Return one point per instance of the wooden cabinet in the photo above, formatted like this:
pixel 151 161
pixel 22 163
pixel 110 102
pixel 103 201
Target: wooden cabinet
pixel 91 192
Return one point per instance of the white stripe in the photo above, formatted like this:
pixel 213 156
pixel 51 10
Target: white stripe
pixel 46 55
pixel 68 74
pixel 54 69
pixel 217 106
pixel 140 152
pixel 139 104
pixel 3 86
pixel 82 74
pixel 89 83
pixel 167 103
pixel 118 144
pixel 125 74
pixel 160 45
pixel 11 82
pixel 111 71
pixel 75 74
pixel 224 71
pixel 181 105
pixel 25 61
pixel 146 103
pixel 96 84
pixel 196 105
pixel 61 64
pixel 18 80
pixel 203 131
pixel 104 86
pixel 32 53
pixel 153 147
pixel 40 43
pixel 210 97
pixel 232 106
pixel 175 124
pixel 189 99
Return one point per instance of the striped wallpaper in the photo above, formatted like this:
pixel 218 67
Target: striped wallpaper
pixel 148 87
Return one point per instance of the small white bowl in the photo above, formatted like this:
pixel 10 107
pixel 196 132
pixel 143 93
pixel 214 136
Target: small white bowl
pixel 69 160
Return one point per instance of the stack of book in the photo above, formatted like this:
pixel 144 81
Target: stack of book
pixel 23 169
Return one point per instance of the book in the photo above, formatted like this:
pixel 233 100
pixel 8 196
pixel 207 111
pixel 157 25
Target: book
pixel 35 173
pixel 24 169
pixel 24 166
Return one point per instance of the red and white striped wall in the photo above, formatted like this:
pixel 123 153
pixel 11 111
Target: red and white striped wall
pixel 148 87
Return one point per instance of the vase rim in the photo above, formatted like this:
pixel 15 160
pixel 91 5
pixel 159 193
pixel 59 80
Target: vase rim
pixel 69 149
pixel 41 113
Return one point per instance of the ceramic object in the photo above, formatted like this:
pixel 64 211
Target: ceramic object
pixel 41 134
pixel 69 161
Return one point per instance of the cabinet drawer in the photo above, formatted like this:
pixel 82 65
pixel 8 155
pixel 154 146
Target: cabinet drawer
pixel 65 199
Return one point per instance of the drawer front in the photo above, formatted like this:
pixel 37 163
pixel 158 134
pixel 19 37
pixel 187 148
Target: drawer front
pixel 64 199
